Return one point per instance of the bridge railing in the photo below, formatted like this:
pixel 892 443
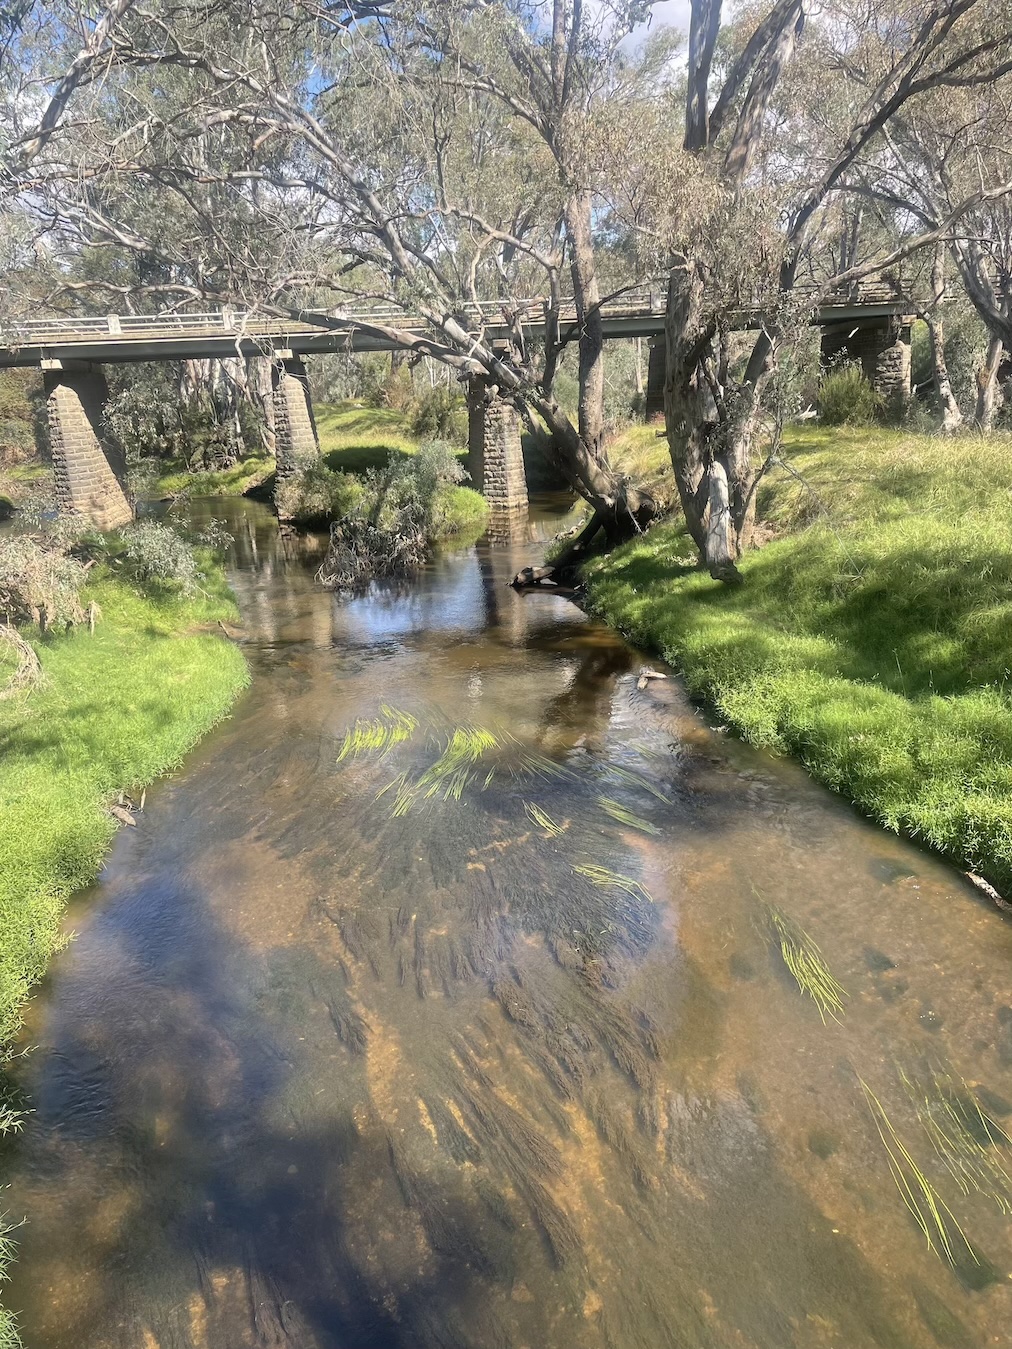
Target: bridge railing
pixel 642 300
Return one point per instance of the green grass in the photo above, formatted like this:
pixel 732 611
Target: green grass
pixel 226 482
pixel 355 438
pixel 872 638
pixel 117 709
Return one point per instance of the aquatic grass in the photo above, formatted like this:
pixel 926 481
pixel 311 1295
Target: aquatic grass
pixel 964 1138
pixel 806 963
pixel 378 736
pixel 928 1209
pixel 598 875
pixel 634 779
pixel 463 751
pixel 543 820
pixel 625 816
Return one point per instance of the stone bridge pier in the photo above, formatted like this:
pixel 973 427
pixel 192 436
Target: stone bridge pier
pixel 883 350
pixel 296 442
pixel 495 458
pixel 89 478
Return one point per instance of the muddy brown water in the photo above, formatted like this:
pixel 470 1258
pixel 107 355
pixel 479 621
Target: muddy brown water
pixel 329 1066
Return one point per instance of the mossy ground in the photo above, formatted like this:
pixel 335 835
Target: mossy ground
pixel 872 638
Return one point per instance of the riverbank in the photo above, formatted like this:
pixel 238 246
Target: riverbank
pixel 118 708
pixel 871 638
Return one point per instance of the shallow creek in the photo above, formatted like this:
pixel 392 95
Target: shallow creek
pixel 346 1051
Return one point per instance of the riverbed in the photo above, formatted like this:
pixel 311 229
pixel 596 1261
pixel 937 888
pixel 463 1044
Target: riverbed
pixel 458 991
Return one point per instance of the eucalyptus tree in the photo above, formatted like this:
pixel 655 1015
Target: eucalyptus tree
pixel 288 156
pixel 755 212
pixel 955 143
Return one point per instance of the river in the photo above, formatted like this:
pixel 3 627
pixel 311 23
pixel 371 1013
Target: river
pixel 443 999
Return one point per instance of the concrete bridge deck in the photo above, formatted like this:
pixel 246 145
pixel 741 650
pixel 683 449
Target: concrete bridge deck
pixel 115 339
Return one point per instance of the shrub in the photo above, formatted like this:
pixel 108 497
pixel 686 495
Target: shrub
pixel 847 399
pixel 439 413
pixel 403 508
pixel 316 495
pixel 156 554
pixel 39 582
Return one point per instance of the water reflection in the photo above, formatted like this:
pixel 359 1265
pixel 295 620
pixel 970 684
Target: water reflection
pixel 318 1073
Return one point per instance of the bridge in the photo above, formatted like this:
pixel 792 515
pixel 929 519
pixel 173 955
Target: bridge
pixel 872 326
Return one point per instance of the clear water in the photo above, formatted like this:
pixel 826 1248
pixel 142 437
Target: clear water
pixel 319 1074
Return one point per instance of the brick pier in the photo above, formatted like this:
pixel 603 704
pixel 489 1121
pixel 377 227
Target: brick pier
pixel 297 445
pixel 89 481
pixel 495 458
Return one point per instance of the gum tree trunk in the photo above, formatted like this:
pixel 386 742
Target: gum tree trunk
pixel 987 387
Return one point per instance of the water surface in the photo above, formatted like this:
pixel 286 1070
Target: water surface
pixel 335 1063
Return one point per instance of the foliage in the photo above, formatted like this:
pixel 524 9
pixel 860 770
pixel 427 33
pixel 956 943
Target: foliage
pixel 871 640
pixel 316 495
pixel 439 413
pixel 20 395
pixel 846 398
pixel 400 512
pixel 157 555
pixel 39 582
pixel 150 416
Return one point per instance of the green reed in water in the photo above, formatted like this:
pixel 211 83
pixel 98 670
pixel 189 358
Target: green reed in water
pixel 462 749
pixel 806 963
pixel 543 820
pixel 965 1139
pixel 392 727
pixel 929 1210
pixel 626 775
pixel 602 876
pixel 625 816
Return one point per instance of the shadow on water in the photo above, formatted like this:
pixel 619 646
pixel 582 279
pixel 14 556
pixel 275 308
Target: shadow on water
pixel 514 1065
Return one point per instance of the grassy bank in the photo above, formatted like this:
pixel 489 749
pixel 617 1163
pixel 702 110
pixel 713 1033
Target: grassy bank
pixel 226 482
pixel 872 638
pixel 116 710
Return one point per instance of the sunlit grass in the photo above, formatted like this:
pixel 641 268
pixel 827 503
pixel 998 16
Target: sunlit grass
pixel 806 963
pixel 871 638
pixel 117 709
pixel 230 482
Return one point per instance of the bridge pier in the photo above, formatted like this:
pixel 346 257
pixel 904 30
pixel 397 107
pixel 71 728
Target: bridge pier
pixel 87 483
pixel 297 444
pixel 883 351
pixel 655 379
pixel 495 458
